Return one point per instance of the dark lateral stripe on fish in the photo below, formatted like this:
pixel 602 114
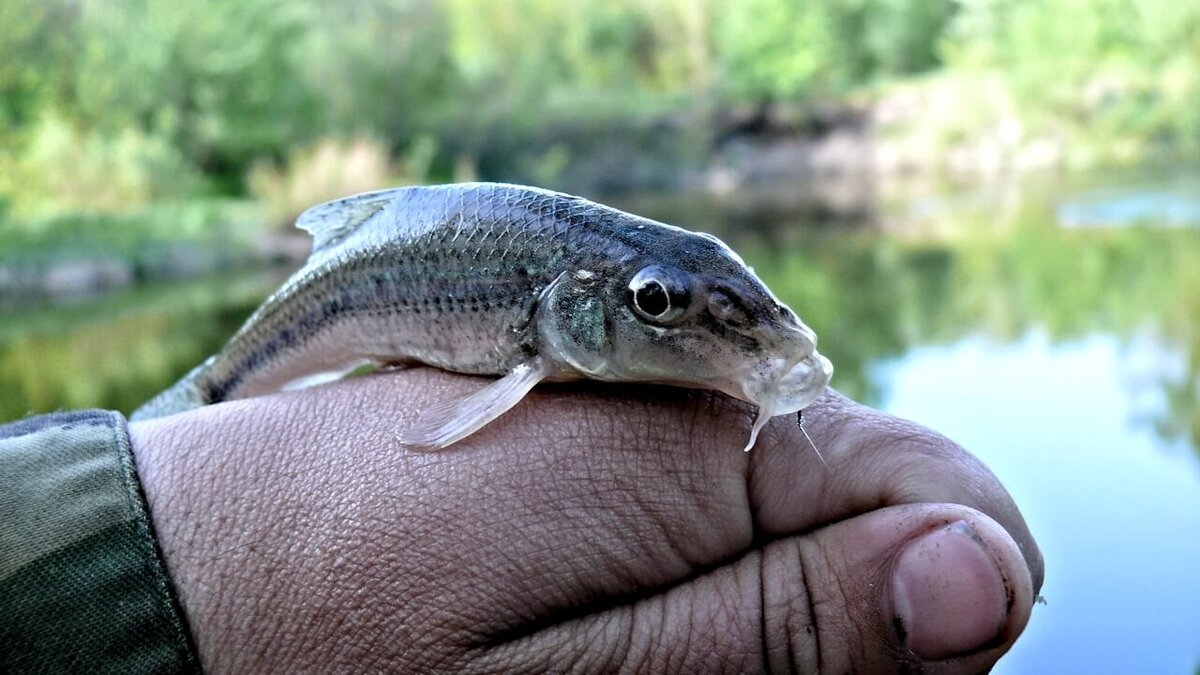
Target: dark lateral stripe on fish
pixel 286 338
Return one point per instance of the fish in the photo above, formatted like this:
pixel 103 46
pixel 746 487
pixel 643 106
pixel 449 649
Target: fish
pixel 513 281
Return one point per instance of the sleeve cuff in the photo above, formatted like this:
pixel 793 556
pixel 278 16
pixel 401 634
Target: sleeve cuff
pixel 83 586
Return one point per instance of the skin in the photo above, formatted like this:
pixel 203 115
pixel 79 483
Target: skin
pixel 593 528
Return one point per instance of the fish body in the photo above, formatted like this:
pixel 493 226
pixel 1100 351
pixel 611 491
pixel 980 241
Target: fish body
pixel 514 281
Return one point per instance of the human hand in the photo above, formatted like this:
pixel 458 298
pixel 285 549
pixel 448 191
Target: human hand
pixel 592 528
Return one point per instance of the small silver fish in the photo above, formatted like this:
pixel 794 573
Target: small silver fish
pixel 515 281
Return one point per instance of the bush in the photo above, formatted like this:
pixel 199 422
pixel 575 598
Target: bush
pixel 63 169
pixel 333 168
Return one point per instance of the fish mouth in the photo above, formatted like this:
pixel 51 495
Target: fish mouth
pixel 799 385
pixel 786 389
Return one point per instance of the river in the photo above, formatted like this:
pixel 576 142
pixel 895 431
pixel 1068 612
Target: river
pixel 1051 326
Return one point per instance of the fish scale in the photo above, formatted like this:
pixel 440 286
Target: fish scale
pixel 514 281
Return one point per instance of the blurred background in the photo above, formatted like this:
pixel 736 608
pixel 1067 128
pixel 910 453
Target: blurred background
pixel 989 211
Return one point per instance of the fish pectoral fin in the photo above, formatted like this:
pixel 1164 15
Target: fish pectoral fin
pixel 452 421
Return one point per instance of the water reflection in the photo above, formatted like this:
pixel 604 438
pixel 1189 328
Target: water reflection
pixel 116 351
pixel 1162 203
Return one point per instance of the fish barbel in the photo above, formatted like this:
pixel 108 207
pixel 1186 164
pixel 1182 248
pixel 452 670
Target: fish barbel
pixel 515 281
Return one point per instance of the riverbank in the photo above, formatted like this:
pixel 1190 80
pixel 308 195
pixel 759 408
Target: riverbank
pixel 951 126
pixel 836 159
pixel 77 255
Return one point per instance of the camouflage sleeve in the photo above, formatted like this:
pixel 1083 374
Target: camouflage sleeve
pixel 83 587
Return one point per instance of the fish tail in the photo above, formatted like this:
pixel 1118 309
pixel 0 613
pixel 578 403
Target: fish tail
pixel 186 394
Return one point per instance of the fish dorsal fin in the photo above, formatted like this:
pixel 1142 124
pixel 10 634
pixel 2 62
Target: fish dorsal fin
pixel 331 222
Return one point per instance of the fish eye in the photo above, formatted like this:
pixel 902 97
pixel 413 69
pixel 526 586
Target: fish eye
pixel 659 294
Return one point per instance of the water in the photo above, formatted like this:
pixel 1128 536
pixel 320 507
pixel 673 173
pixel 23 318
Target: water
pixel 117 350
pixel 1115 507
pixel 1051 327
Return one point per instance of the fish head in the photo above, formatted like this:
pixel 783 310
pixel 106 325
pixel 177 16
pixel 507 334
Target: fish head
pixel 688 312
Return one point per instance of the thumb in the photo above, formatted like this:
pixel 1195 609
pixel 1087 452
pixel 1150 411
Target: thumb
pixel 930 588
pixel 938 587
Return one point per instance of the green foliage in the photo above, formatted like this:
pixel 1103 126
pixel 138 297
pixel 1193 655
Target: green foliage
pixel 782 49
pixel 330 169
pixel 376 67
pixel 63 168
pixel 148 90
pixel 776 49
pixel 1104 70
pixel 168 98
pixel 540 48
pixel 28 52
pixel 211 77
